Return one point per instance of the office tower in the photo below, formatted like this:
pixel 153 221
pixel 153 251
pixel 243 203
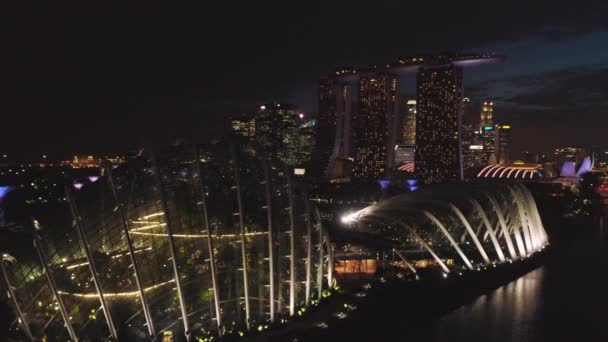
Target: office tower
pixel 305 139
pixel 376 126
pixel 489 137
pixel 487 113
pixel 438 120
pixel 243 125
pixel 466 139
pixel 599 155
pixel 503 142
pixel 284 133
pixel 471 140
pixel 472 147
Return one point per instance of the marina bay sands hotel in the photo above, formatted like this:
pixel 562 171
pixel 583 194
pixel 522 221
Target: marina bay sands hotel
pixel 360 126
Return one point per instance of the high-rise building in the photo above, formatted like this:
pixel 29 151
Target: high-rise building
pixel 408 136
pixel 503 142
pixel 284 133
pixel 336 128
pixel 376 126
pixel 438 120
pixel 489 135
pixel 599 154
pixel 472 147
pixel 487 113
pixel 243 125
pixel 305 140
pixel 562 154
pixel 470 139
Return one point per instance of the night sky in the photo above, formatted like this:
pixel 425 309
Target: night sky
pixel 78 78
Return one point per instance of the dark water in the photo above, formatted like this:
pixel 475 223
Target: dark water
pixel 564 300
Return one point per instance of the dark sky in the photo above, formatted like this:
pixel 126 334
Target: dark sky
pixel 80 78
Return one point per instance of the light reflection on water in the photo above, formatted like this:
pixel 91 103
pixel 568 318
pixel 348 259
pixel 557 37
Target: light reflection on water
pixel 564 300
pixel 507 314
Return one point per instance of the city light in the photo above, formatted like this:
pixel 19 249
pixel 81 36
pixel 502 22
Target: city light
pixel 4 190
pixel 349 218
pixel 235 215
pixel 94 295
pixel 384 184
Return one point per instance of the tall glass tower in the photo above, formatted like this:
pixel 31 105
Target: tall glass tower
pixel 487 113
pixel 376 127
pixel 439 106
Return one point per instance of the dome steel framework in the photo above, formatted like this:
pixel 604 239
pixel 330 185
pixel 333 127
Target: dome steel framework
pixel 191 241
pixel 457 227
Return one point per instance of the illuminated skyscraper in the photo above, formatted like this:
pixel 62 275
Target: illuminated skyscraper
pixel 337 120
pixel 489 135
pixel 504 144
pixel 439 114
pixel 305 141
pixel 487 113
pixel 471 140
pixel 284 133
pixel 376 126
pixel 243 125
pixel 408 136
pixel 472 147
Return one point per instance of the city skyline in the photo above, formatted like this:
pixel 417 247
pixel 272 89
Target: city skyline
pixel 292 171
pixel 179 78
